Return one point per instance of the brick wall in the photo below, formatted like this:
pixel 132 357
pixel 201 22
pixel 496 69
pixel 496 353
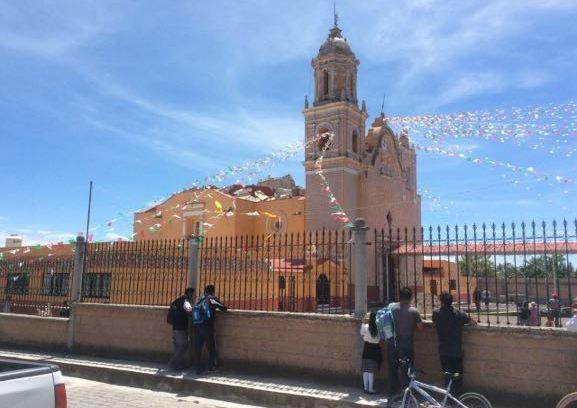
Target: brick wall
pixel 33 331
pixel 514 360
pixel 122 331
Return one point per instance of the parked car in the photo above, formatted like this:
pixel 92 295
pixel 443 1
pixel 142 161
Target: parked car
pixel 26 384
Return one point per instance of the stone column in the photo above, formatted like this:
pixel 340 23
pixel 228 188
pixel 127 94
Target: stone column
pixel 79 254
pixel 76 294
pixel 360 267
pixel 193 270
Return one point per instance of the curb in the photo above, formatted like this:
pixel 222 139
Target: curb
pixel 204 387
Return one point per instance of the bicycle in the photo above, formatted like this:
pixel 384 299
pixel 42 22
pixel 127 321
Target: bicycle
pixel 568 401
pixel 407 398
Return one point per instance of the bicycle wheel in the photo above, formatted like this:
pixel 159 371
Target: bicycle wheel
pixel 397 401
pixel 474 400
pixel 568 401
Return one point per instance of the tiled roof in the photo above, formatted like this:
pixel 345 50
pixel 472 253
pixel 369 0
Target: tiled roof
pixel 479 248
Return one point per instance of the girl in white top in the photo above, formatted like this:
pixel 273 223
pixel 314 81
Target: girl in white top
pixel 372 356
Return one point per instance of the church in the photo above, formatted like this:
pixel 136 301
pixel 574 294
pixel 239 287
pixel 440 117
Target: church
pixel 371 173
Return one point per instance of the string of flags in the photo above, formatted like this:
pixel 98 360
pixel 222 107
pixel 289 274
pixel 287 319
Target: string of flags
pixel 551 127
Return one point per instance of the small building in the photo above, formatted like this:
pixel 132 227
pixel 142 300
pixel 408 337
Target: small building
pixel 13 241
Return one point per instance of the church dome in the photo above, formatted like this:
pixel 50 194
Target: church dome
pixel 335 44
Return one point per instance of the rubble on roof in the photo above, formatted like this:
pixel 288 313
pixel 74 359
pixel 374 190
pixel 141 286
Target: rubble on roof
pixel 268 189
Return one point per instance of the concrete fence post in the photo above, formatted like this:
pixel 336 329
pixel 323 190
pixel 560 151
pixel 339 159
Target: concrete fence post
pixel 360 267
pixel 76 295
pixel 192 277
pixel 78 269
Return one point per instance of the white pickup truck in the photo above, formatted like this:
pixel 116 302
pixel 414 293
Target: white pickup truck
pixel 26 384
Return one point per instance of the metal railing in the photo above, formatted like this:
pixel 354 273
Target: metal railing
pixel 140 273
pixel 308 272
pixel 493 271
pixel 36 285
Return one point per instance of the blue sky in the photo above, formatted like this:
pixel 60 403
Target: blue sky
pixel 143 97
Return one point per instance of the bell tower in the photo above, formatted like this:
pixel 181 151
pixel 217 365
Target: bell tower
pixel 335 109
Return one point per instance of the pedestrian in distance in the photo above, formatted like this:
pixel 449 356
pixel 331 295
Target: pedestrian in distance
pixel 65 309
pixel 524 314
pixel 534 318
pixel 372 356
pixel 203 319
pixel 178 317
pixel 7 307
pixel 449 323
pixel 477 299
pixel 571 324
pixel 406 320
pixel 554 307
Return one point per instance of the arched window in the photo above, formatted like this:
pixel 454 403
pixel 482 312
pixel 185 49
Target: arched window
pixel 323 290
pixel 325 83
pixel 324 140
pixel 355 142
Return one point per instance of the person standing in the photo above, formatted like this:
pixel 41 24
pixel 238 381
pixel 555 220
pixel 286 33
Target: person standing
pixel 524 314
pixel 477 299
pixel 372 356
pixel 178 316
pixel 555 309
pixel 406 320
pixel 204 333
pixel 534 318
pixel 449 323
pixel 7 308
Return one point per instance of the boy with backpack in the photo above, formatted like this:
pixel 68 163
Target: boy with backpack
pixel 397 324
pixel 178 313
pixel 203 320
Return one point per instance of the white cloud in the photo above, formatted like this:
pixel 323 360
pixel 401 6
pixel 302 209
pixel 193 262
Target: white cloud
pixel 53 29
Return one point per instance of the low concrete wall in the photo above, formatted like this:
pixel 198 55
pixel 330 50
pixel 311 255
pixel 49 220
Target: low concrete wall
pixel 513 360
pixel 122 331
pixel 33 331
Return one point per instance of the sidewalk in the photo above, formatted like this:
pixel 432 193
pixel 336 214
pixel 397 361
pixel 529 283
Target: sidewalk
pixel 244 389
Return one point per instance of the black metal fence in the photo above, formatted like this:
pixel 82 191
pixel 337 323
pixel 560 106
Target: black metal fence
pixel 503 274
pixel 140 273
pixel 495 272
pixel 36 285
pixel 308 272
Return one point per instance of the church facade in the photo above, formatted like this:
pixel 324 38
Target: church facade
pixel 372 173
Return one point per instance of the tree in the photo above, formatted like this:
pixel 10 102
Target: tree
pixel 546 266
pixel 477 266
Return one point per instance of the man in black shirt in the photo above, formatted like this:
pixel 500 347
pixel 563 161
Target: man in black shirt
pixel 449 323
pixel 178 316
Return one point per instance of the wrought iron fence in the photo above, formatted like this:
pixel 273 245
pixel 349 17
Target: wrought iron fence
pixel 308 272
pixel 498 273
pixel 141 273
pixel 36 285
pixel 493 271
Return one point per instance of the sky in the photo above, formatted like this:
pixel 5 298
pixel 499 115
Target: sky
pixel 143 98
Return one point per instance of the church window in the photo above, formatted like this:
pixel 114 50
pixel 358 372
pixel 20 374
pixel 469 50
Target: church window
pixel 325 83
pixel 355 142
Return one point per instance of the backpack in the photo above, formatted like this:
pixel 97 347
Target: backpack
pixel 385 323
pixel 171 312
pixel 201 312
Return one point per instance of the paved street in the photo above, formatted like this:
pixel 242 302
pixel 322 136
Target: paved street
pixel 91 394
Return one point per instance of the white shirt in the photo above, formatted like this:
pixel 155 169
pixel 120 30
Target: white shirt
pixel 187 306
pixel 366 335
pixel 572 324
